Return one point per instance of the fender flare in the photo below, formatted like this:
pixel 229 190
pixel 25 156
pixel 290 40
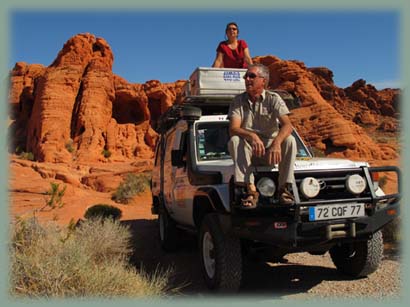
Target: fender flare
pixel 213 204
pixel 213 197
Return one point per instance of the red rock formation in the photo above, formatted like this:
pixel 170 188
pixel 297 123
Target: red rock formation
pixel 322 124
pixel 93 110
pixel 131 102
pixel 59 95
pixel 77 108
pixel 21 98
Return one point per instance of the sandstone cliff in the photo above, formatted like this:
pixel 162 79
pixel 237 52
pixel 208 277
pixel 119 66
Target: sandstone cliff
pixel 76 109
pixel 332 119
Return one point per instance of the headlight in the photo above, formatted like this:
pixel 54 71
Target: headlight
pixel 355 184
pixel 310 187
pixel 266 187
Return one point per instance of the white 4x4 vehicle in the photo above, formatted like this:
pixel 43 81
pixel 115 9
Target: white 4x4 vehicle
pixel 338 207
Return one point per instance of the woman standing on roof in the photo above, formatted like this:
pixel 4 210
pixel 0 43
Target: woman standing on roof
pixel 232 53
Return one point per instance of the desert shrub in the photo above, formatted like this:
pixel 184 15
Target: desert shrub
pixel 18 150
pixel 70 146
pixel 106 153
pixel 26 156
pixel 54 197
pixel 103 211
pixel 90 261
pixel 134 184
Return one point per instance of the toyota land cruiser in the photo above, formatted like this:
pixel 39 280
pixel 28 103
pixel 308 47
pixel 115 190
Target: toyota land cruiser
pixel 339 207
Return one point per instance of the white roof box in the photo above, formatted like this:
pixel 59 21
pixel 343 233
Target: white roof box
pixel 208 81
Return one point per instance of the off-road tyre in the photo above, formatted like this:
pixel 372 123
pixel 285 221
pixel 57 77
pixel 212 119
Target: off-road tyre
pixel 358 259
pixel 220 256
pixel 167 230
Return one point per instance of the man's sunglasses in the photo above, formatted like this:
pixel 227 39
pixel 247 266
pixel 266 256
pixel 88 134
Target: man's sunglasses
pixel 251 75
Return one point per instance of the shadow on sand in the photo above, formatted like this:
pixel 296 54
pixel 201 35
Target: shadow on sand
pixel 259 278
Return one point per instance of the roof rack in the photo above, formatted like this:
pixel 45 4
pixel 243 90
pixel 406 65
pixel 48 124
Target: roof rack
pixel 210 105
pixel 175 113
pixel 210 92
pixel 168 118
pixel 193 108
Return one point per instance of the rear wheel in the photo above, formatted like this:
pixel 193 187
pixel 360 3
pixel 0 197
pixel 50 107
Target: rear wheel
pixel 221 258
pixel 358 259
pixel 167 230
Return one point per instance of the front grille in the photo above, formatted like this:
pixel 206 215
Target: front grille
pixel 333 185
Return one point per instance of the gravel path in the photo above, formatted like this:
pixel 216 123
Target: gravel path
pixel 304 276
pixel 385 282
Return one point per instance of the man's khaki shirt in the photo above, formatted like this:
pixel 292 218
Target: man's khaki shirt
pixel 260 117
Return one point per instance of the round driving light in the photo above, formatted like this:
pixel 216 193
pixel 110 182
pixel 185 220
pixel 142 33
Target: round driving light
pixel 310 187
pixel 266 187
pixel 355 184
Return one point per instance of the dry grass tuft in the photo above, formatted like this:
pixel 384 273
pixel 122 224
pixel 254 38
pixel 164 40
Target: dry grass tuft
pixel 133 184
pixel 88 261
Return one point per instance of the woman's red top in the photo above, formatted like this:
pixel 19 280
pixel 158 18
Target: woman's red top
pixel 233 58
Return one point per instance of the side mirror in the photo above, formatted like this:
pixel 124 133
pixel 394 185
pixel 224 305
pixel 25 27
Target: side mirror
pixel 177 158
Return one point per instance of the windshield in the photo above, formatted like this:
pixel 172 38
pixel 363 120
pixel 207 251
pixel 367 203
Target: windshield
pixel 212 142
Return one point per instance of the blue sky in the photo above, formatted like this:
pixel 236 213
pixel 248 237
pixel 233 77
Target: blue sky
pixel 169 45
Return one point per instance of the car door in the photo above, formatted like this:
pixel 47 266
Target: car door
pixel 168 173
pixel 183 190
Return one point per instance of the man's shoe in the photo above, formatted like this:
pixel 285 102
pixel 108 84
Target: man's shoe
pixel 285 196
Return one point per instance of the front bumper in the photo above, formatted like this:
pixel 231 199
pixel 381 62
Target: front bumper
pixel 289 227
pixel 286 232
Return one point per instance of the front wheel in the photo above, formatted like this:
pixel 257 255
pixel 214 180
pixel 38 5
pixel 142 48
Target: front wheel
pixel 221 258
pixel 358 259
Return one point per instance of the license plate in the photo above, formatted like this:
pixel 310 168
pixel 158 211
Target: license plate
pixel 329 212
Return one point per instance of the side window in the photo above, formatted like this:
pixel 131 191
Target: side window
pixel 302 151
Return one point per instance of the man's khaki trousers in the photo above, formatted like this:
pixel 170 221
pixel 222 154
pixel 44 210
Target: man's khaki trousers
pixel 241 153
